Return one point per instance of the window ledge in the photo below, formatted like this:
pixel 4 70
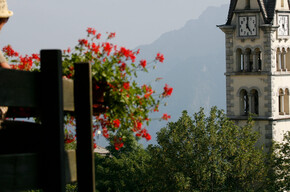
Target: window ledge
pixel 255 118
pixel 248 73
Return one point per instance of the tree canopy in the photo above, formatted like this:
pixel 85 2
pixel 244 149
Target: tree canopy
pixel 196 153
pixel 207 154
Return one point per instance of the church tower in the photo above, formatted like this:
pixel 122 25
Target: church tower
pixel 258 65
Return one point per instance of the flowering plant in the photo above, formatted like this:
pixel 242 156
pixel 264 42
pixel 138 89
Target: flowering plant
pixel 17 61
pixel 127 104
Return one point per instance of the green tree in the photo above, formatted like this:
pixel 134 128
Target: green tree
pixel 129 141
pixel 127 172
pixel 125 169
pixel 206 154
pixel 279 166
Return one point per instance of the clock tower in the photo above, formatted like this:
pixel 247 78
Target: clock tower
pixel 258 66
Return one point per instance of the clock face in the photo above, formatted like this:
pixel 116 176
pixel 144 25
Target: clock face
pixel 247 26
pixel 283 25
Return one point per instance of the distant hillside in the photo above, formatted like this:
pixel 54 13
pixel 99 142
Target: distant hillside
pixel 194 64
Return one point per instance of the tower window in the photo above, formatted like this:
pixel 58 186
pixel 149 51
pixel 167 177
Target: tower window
pixel 244 102
pixel 286 102
pixel 249 102
pixel 257 60
pixel 282 3
pixel 281 102
pixel 282 59
pixel 239 60
pixel 249 61
pixel 254 101
pixel 248 4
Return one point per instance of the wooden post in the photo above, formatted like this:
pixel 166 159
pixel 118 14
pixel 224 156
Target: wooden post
pixel 83 113
pixel 52 120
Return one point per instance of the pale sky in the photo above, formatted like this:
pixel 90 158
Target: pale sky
pixel 42 24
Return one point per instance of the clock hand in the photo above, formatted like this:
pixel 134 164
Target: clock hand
pixel 247 25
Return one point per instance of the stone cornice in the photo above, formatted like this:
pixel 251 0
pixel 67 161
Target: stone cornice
pixel 258 118
pixel 226 28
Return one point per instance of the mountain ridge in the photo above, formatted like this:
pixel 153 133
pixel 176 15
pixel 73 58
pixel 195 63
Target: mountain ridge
pixel 194 65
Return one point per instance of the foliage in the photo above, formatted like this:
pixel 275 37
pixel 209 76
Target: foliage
pixel 131 145
pixel 196 154
pixel 71 187
pixel 127 104
pixel 206 154
pixel 127 172
pixel 279 166
pixel 20 62
pixel 68 188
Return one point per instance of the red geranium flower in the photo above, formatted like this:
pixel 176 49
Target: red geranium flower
pixel 143 63
pixel 107 48
pixel 111 35
pixel 123 67
pixel 91 31
pixel 167 91
pixel 116 123
pixel 159 57
pixel 166 117
pixel 98 36
pixel 83 42
pixel 126 85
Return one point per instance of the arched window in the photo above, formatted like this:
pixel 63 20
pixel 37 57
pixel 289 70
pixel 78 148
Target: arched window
pixel 282 59
pixel 257 60
pixel 240 60
pixel 281 102
pixel 254 102
pixel 244 102
pixel 287 59
pixel 248 60
pixel 248 5
pixel 278 60
pixel 286 102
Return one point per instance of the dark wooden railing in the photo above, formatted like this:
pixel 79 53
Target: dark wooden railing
pixel 32 155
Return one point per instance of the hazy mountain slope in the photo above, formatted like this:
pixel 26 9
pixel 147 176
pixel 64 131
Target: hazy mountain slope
pixel 194 64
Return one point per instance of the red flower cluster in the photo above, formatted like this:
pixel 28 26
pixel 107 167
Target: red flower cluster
pixel 105 132
pixel 148 90
pixel 91 31
pixel 83 42
pixel 118 143
pixel 123 67
pixel 127 53
pixel 67 51
pixel 117 66
pixel 69 138
pixel 23 62
pixel 159 57
pixel 95 48
pixel 156 109
pixel 126 85
pixel 166 117
pixel 143 63
pixel 167 91
pixel 143 133
pixel 9 51
pixel 116 123
pixel 111 35
pixel 98 36
pixel 107 48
